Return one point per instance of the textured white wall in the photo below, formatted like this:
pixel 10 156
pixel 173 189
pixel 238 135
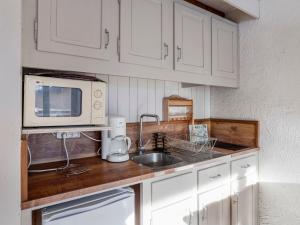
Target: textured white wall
pixel 10 111
pixel 270 92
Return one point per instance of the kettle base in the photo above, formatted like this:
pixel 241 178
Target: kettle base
pixel 118 158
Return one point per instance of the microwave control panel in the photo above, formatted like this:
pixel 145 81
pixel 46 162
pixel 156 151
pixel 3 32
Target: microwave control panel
pixel 98 102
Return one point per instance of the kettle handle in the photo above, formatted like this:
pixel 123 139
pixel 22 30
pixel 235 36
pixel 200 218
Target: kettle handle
pixel 128 140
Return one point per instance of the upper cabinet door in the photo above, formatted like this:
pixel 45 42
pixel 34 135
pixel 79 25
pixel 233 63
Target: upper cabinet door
pixel 224 49
pixel 75 27
pixel 146 32
pixel 192 40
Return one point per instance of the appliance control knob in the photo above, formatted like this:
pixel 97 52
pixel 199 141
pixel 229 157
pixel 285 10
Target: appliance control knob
pixel 98 93
pixel 97 105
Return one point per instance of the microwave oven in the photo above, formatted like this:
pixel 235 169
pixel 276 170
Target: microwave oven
pixel 50 101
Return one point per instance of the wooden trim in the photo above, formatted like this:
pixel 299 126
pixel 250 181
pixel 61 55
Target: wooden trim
pixel 206 7
pixel 242 132
pixel 24 171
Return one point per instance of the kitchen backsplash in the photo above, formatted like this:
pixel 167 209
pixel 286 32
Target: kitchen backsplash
pixel 130 97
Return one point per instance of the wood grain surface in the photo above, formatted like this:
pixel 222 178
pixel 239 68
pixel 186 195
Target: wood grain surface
pixel 52 187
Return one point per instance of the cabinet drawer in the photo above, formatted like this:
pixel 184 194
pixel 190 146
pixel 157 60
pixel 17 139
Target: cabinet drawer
pixel 170 190
pixel 213 177
pixel 243 167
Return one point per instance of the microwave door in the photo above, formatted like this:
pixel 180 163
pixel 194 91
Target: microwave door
pixel 56 102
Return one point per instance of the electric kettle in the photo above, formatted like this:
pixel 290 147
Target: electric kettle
pixel 119 147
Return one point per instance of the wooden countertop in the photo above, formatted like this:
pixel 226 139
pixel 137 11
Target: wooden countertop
pixel 51 187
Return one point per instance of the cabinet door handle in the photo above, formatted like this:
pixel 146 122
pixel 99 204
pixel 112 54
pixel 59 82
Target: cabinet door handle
pixel 246 166
pixel 190 218
pixel 215 177
pixel 235 199
pixel 166 47
pixel 204 213
pixel 107 38
pixel 179 53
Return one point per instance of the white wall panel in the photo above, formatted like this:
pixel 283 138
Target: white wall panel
pixel 171 88
pixel 123 97
pixel 131 97
pixel 112 95
pixel 159 95
pixel 10 120
pixel 151 97
pixel 142 96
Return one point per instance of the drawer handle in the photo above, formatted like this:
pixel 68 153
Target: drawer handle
pixel 166 50
pixel 179 53
pixel 215 177
pixel 246 166
pixel 107 38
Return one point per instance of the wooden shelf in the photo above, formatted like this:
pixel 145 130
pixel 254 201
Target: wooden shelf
pixel 45 130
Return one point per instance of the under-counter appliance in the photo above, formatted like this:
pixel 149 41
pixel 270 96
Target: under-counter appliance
pixel 50 101
pixel 114 207
pixel 115 143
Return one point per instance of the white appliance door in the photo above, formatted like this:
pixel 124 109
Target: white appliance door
pixel 111 210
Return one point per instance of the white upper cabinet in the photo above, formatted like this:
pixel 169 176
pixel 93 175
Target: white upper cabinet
pixel 75 27
pixel 192 51
pixel 146 32
pixel 224 49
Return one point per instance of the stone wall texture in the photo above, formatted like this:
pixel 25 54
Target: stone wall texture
pixel 270 92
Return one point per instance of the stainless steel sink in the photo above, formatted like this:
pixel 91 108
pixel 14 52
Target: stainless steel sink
pixel 155 159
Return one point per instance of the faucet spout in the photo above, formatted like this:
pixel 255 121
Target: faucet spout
pixel 141 147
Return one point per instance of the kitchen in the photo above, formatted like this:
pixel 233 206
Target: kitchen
pixel 135 76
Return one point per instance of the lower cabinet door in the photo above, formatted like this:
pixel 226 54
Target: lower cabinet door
pixel 244 202
pixel 179 213
pixel 214 207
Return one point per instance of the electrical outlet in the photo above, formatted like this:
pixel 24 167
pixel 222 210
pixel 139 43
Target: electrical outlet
pixel 68 135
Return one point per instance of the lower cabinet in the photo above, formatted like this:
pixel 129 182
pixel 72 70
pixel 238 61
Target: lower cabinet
pixel 179 213
pixel 214 207
pixel 244 202
pixel 244 192
pixel 222 193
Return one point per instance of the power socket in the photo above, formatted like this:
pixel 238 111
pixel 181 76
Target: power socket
pixel 68 135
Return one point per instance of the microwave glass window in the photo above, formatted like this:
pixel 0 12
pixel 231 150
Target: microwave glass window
pixel 51 101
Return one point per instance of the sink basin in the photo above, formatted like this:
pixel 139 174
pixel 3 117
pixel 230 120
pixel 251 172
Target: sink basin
pixel 156 159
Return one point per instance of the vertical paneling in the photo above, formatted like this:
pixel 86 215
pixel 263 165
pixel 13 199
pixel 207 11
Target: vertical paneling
pixel 131 97
pixel 198 96
pixel 112 95
pixel 185 92
pixel 151 97
pixel 123 97
pixel 142 96
pixel 159 95
pixel 207 102
pixel 171 88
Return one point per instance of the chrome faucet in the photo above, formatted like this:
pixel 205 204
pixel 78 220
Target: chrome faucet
pixel 141 147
